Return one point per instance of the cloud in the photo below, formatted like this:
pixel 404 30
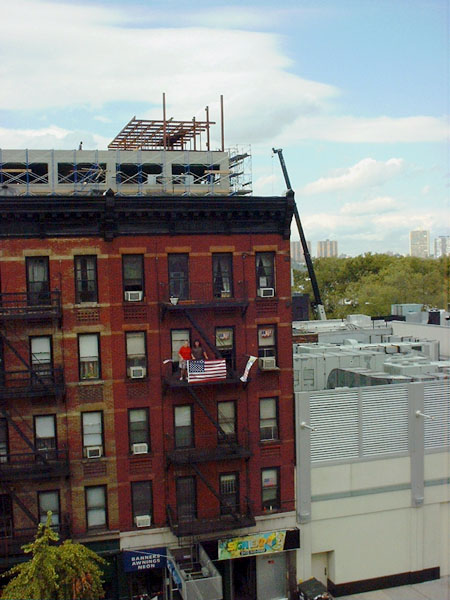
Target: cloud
pixel 86 56
pixel 367 172
pixel 373 206
pixel 50 137
pixel 376 232
pixel 361 130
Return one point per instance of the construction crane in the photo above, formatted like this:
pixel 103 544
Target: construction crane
pixel 318 305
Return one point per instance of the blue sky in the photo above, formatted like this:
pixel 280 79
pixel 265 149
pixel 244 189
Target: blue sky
pixel 356 92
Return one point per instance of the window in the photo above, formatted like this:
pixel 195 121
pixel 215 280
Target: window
pixel 184 430
pixel 265 273
pixel 229 493
pixel 49 501
pixel 96 513
pixel 45 435
pixel 270 489
pixel 92 427
pixel 178 337
pixel 138 429
pixel 225 344
pixel 268 419
pixel 141 499
pixel 186 498
pixel 222 275
pixel 85 279
pixel 6 516
pixel 133 277
pixel 136 354
pixel 89 359
pixel 226 417
pixel 4 444
pixel 179 276
pixel 38 286
pixel 41 354
pixel 267 348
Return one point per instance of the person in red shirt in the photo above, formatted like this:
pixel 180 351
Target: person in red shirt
pixel 185 354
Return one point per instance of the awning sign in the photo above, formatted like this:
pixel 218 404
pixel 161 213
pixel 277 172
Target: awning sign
pixel 248 545
pixel 141 560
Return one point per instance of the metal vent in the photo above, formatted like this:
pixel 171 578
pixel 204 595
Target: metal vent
pixel 335 416
pixel 384 420
pixel 437 405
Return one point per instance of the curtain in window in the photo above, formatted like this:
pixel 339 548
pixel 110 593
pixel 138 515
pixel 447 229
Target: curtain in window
pixel 92 429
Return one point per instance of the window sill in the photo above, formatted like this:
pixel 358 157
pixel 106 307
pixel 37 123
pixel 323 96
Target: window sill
pixel 274 442
pixel 87 305
pixel 136 379
pixel 140 454
pixel 269 370
pixel 90 382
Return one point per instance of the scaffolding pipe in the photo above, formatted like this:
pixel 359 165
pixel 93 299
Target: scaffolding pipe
pixel 221 123
pixel 164 120
pixel 207 127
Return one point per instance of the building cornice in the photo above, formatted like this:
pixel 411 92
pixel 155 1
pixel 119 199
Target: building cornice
pixel 113 216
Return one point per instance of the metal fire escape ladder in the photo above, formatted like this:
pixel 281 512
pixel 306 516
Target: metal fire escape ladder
pixel 21 434
pixel 23 361
pixel 220 431
pixel 19 503
pixel 6 413
pixel 202 333
pixel 206 482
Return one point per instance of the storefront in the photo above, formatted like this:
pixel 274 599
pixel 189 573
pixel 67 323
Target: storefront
pixel 260 566
pixel 145 572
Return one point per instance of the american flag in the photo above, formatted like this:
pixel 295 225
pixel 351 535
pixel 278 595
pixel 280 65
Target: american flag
pixel 206 370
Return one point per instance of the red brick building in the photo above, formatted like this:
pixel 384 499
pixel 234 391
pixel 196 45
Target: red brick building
pixel 97 296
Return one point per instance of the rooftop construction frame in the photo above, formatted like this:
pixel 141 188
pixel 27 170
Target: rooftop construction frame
pixel 166 134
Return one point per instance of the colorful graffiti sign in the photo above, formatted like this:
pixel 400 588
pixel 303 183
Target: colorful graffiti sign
pixel 248 545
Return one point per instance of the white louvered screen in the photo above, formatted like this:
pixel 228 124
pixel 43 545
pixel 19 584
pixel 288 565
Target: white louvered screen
pixel 384 420
pixel 437 405
pixel 335 416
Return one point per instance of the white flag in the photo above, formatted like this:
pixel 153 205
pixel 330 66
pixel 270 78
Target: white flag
pixel 248 366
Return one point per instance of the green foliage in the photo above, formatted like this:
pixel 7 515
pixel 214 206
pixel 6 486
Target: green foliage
pixel 63 572
pixel 370 283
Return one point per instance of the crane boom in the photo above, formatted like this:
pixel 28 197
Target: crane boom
pixel 318 306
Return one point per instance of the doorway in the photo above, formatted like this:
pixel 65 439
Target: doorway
pixel 244 578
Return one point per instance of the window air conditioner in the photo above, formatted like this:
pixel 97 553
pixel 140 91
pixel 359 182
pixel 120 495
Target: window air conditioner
pixel 94 451
pixel 143 521
pixel 140 448
pixel 134 296
pixel 267 362
pixel 266 292
pixel 137 372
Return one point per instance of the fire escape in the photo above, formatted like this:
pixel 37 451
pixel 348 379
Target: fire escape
pixel 193 304
pixel 38 462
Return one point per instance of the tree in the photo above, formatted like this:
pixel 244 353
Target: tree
pixel 65 572
pixel 371 283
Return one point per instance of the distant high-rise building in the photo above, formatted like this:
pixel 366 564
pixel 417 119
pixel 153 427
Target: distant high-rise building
pixel 297 254
pixel 442 246
pixel 419 243
pixel 327 248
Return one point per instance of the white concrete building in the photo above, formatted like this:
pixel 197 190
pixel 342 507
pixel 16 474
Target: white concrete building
pixel 419 243
pixel 373 467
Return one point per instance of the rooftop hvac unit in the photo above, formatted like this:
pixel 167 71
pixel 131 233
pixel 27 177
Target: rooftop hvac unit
pixel 267 362
pixel 140 448
pixel 143 521
pixel 94 452
pixel 266 292
pixel 137 372
pixel 134 296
